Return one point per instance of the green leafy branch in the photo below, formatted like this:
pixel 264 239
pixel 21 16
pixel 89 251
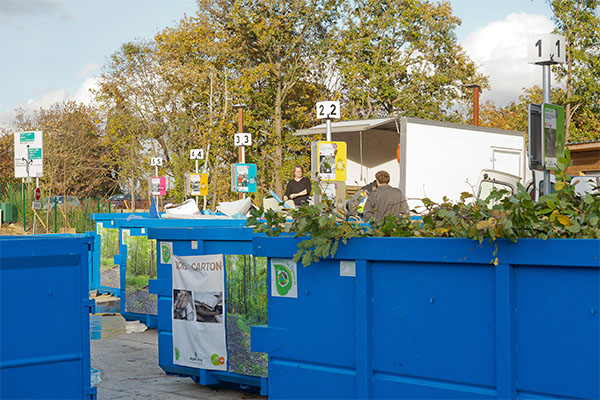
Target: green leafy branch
pixel 561 214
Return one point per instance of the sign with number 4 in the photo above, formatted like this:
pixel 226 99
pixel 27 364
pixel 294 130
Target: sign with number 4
pixel 197 154
pixel 156 161
pixel 328 110
pixel 242 139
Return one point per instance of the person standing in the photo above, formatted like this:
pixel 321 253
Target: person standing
pixel 298 189
pixel 384 200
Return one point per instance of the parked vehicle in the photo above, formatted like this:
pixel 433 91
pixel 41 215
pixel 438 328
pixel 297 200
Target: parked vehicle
pixel 68 201
pixel 123 201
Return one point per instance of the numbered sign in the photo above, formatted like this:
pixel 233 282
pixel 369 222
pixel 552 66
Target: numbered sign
pixel 242 139
pixel 197 154
pixel 328 110
pixel 156 161
pixel 546 49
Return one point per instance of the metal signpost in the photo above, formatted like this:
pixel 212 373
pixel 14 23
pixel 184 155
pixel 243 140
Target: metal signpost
pixel 198 181
pixel 326 110
pixel 242 139
pixel 547 50
pixel 155 182
pixel 28 161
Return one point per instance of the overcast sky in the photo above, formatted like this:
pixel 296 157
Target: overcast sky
pixel 50 50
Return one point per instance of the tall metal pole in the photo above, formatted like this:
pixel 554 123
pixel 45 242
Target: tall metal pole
pixel 328 126
pixel 241 150
pixel 546 87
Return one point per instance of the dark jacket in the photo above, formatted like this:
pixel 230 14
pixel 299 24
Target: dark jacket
pixel 385 200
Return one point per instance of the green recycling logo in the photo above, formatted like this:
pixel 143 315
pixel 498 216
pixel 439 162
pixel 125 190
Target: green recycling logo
pixel 283 279
pixel 165 253
pixel 177 353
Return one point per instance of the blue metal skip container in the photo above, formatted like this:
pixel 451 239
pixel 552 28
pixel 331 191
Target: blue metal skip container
pixel 44 317
pixel 196 241
pixel 106 220
pixel 436 318
pixel 137 225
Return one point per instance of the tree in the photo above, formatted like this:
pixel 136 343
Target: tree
pixel 278 48
pixel 396 56
pixel 579 21
pixel 73 155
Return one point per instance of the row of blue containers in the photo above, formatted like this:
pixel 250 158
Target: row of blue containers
pixel 137 224
pixel 387 318
pixel 418 318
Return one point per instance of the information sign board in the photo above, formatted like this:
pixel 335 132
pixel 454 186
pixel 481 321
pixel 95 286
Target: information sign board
pixel 28 155
pixel 243 178
pixel 553 122
pixel 158 186
pixel 331 160
pixel 198 184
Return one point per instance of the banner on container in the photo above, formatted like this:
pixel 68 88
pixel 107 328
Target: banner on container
pixel 283 278
pixel 198 312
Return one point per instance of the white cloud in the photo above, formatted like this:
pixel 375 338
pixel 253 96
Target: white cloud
pixel 81 95
pixel 85 71
pixel 500 51
pixel 84 94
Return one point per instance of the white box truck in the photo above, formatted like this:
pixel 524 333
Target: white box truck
pixel 425 158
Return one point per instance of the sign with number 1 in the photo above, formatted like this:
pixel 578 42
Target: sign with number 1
pixel 546 49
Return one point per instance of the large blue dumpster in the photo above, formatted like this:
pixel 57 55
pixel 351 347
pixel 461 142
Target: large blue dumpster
pixel 192 241
pixel 434 318
pixel 106 221
pixel 44 317
pixel 137 226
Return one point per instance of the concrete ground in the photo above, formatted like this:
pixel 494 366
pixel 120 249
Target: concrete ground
pixel 128 365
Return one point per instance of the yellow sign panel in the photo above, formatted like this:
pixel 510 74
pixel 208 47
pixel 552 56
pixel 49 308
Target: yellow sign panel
pixel 199 184
pixel 332 160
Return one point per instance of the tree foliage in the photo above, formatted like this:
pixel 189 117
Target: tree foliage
pixel 579 22
pixel 74 157
pixel 402 57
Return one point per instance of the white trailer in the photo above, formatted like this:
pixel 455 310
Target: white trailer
pixel 425 158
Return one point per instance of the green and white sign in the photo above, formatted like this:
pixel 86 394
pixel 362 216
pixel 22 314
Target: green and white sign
pixel 28 158
pixel 553 123
pixel 166 252
pixel 284 281
pixel 35 153
pixel 26 137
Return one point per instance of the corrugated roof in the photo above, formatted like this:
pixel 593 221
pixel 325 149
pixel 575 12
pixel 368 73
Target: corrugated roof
pixel 386 124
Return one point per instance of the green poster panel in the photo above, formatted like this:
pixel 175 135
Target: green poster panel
pixel 553 121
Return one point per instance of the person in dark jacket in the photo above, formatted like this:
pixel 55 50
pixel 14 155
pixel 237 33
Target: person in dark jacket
pixel 385 200
pixel 298 189
pixel 356 204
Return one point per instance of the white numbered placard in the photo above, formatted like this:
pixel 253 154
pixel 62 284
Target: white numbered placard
pixel 156 161
pixel 328 110
pixel 197 154
pixel 546 49
pixel 242 139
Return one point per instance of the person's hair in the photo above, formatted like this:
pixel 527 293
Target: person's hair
pixel 382 177
pixel 294 170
